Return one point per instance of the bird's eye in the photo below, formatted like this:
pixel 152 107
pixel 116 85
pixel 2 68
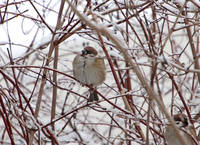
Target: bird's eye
pixel 89 52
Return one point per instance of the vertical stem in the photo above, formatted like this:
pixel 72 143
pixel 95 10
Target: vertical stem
pixel 55 65
pixel 194 51
pixel 5 118
pixel 52 46
pixel 54 98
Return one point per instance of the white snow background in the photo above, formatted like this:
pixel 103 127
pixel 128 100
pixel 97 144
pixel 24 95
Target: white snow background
pixel 28 39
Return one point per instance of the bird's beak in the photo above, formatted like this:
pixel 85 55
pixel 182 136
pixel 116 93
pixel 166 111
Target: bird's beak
pixel 84 52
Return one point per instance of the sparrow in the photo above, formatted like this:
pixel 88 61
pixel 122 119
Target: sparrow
pixel 182 124
pixel 89 69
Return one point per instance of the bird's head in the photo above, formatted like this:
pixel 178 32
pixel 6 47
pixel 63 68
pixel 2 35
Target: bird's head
pixel 89 51
pixel 181 120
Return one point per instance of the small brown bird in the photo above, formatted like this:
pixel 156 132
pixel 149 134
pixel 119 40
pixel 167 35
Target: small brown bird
pixel 90 70
pixel 182 123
